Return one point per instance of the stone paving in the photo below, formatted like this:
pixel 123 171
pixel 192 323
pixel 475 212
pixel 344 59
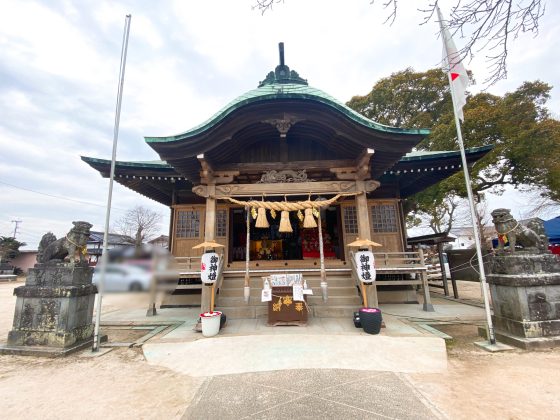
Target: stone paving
pixel 310 394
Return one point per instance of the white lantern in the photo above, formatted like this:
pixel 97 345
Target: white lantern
pixel 365 264
pixel 209 263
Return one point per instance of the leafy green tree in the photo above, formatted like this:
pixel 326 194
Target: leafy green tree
pixel 526 139
pixel 9 248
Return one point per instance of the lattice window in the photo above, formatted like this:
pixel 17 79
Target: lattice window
pixel 350 220
pixel 188 224
pixel 221 223
pixel 384 218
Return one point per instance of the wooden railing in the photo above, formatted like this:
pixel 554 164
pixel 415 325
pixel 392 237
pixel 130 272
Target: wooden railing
pixel 411 263
pixel 405 260
pixel 188 264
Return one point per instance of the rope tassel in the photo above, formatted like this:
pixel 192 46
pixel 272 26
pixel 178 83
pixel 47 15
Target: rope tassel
pixel 262 221
pixel 309 220
pixel 285 225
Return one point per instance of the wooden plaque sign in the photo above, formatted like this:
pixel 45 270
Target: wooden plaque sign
pixel 283 310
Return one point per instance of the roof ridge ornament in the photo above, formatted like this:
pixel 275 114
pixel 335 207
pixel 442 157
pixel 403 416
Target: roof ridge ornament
pixel 282 73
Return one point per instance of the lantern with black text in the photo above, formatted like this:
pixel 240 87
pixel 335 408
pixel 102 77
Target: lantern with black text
pixel 365 265
pixel 209 263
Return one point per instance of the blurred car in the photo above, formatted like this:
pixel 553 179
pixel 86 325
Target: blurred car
pixel 124 278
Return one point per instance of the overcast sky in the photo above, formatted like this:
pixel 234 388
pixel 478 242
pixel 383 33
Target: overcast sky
pixel 59 65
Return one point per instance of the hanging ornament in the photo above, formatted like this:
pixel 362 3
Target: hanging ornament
pixel 285 225
pixel 316 212
pixel 300 215
pixel 309 221
pixel 273 213
pixel 262 221
pixel 253 212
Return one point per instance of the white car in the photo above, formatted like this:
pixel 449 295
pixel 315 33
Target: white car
pixel 124 278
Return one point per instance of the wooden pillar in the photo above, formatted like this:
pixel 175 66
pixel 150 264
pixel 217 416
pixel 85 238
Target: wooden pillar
pixel 172 220
pixel 247 281
pixel 442 266
pixel 364 232
pixel 364 229
pixel 209 235
pixel 153 286
pixel 324 285
pixel 428 307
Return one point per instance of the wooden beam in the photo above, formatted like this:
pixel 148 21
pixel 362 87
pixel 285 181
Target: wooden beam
pixel 358 171
pixel 207 172
pixel 362 164
pixel 259 167
pixel 210 176
pixel 279 189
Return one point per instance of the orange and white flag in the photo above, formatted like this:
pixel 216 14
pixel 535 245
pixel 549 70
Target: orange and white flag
pixel 458 78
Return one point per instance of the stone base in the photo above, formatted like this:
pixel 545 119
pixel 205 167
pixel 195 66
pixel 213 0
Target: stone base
pixel 528 328
pixel 493 348
pixel 525 289
pixel 53 312
pixel 44 351
pixel 539 343
pixel 51 339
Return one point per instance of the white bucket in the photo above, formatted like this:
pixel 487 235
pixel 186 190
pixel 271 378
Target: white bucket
pixel 210 323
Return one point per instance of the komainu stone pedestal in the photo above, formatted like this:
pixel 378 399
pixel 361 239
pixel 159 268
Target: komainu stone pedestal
pixel 525 290
pixel 54 311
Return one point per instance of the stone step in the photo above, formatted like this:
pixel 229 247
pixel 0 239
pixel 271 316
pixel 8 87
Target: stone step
pixel 252 312
pixel 340 311
pixel 256 292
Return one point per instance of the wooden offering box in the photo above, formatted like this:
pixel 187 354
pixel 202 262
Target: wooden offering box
pixel 283 310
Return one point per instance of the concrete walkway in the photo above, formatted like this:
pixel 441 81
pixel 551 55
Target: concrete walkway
pixel 310 394
pixel 327 369
pixel 259 353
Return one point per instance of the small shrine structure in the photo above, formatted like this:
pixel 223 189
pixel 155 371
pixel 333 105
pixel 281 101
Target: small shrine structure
pixel 289 143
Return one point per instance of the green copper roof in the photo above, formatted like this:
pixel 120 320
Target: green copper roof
pixel 422 154
pixel 158 164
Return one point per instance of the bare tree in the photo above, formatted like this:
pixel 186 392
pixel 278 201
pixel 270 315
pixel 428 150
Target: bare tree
pixel 139 223
pixel 541 205
pixel 488 25
pixel 442 216
pixel 483 219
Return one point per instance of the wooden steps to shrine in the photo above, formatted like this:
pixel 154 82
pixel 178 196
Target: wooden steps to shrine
pixel 343 296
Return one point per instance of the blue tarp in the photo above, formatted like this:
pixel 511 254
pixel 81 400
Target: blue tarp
pixel 552 229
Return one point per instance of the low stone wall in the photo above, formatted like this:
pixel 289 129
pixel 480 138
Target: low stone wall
pixel 460 261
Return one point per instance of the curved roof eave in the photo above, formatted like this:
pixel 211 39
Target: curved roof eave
pixel 285 91
pixel 427 155
pixel 152 164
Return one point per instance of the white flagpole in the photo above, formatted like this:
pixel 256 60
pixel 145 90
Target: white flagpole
pixel 483 284
pixel 104 256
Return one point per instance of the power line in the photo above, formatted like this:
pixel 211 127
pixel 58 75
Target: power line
pixel 56 196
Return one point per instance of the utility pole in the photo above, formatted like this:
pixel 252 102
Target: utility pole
pixel 17 222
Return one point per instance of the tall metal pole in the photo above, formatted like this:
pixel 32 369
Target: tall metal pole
pixel 483 284
pixel 104 256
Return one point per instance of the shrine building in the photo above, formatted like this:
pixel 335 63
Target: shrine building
pixel 286 142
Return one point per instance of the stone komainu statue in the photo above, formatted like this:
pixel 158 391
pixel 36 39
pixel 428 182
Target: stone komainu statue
pixel 531 237
pixel 52 249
